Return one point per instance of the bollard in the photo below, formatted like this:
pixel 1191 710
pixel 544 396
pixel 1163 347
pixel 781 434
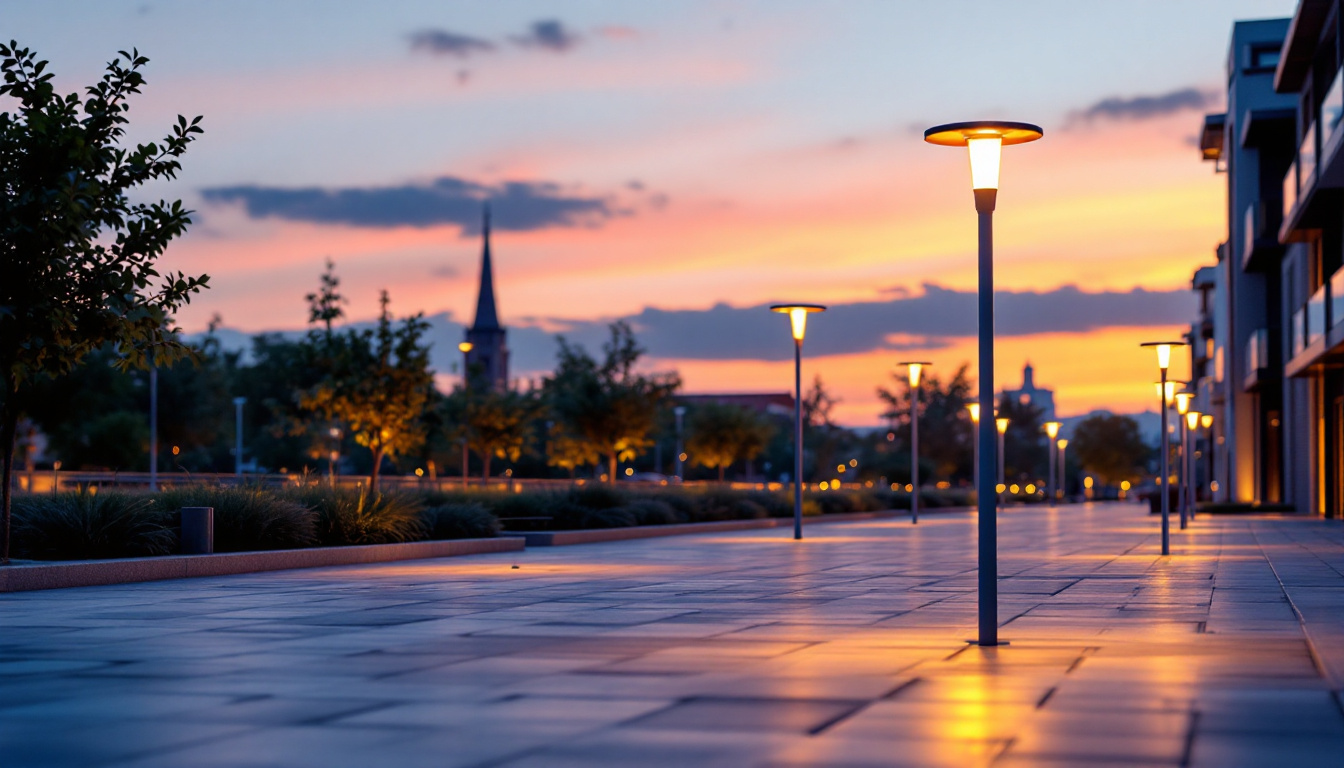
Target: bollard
pixel 198 530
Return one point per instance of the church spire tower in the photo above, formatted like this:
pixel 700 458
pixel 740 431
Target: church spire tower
pixel 488 358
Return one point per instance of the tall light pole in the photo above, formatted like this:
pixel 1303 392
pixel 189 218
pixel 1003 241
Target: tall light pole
pixel 1191 424
pixel 1061 444
pixel 1052 432
pixel 914 369
pixel 153 429
pixel 984 141
pixel 798 323
pixel 238 442
pixel 1164 392
pixel 1206 421
pixel 1183 408
pixel 465 348
pixel 974 408
pixel 680 412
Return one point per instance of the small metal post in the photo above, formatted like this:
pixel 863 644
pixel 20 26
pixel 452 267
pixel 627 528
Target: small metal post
pixel 198 530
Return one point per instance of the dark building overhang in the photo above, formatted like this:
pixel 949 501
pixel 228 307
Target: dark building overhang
pixel 1266 127
pixel 1299 48
pixel 1211 137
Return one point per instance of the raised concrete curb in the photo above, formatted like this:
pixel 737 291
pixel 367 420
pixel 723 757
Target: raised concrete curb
pixel 89 573
pixel 597 536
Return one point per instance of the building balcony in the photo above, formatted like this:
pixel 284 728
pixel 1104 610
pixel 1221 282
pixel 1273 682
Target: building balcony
pixel 1257 359
pixel 1261 248
pixel 1311 187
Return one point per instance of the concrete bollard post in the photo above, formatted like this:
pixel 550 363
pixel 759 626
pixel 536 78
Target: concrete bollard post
pixel 198 530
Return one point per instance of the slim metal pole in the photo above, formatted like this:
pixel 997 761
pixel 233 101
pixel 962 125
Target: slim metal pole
pixel 153 430
pixel 798 439
pixel 680 411
pixel 1051 485
pixel 975 457
pixel 985 506
pixel 1063 480
pixel 1183 488
pixel 914 455
pixel 1002 481
pixel 1165 483
pixel 238 441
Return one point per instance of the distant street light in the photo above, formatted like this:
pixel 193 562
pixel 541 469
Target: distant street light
pixel 914 369
pixel 1206 421
pixel 1188 453
pixel 680 412
pixel 1182 490
pixel 1164 392
pixel 974 408
pixel 798 323
pixel 984 141
pixel 465 348
pixel 1051 432
pixel 1061 444
pixel 1002 425
pixel 238 445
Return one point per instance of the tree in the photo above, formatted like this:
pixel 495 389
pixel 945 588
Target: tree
pixel 79 256
pixel 944 423
pixel 566 451
pixel 1025 453
pixel 609 406
pixel 377 382
pixel 1110 447
pixel 496 423
pixel 720 435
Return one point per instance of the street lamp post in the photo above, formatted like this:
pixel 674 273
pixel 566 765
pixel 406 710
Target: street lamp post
pixel 1206 421
pixel 1061 444
pixel 798 323
pixel 238 442
pixel 1164 362
pixel 914 369
pixel 1183 490
pixel 974 408
pixel 680 412
pixel 465 348
pixel 1002 425
pixel 153 430
pixel 984 141
pixel 1051 432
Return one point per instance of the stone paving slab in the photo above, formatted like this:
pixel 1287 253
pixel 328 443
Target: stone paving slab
pixel 732 649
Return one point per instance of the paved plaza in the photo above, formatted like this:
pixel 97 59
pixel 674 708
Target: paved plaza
pixel 734 649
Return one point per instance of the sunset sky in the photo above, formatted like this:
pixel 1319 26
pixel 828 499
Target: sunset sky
pixel 683 164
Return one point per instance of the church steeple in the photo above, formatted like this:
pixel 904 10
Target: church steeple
pixel 486 316
pixel 487 358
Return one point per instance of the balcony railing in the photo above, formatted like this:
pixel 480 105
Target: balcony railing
pixel 1332 109
pixel 1298 331
pixel 1257 352
pixel 1316 316
pixel 1306 160
pixel 1290 188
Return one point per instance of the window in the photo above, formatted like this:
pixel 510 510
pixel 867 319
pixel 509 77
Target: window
pixel 1264 57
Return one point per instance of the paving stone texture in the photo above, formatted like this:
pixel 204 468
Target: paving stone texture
pixel 733 649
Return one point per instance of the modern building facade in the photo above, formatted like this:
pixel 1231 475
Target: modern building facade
pixel 1265 348
pixel 488 358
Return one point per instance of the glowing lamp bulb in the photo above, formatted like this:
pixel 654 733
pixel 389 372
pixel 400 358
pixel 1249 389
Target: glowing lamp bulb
pixel 798 319
pixel 974 408
pixel 915 369
pixel 985 153
pixel 1206 420
pixel 1002 424
pixel 465 347
pixel 1062 443
pixel 1183 402
pixel 1192 419
pixel 1052 429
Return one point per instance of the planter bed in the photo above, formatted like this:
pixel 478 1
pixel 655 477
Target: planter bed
pixel 87 573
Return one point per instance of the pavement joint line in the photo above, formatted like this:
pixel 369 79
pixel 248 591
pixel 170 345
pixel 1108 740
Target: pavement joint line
pixel 1187 751
pixel 1317 660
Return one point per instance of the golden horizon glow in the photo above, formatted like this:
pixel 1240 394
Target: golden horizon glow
pixel 984 155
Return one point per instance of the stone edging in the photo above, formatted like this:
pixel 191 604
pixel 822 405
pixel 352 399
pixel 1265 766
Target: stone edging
pixel 88 573
pixel 598 535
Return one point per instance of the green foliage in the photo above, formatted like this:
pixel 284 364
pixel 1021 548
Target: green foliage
pixel 496 423
pixel 377 382
pixel 460 521
pixel 1110 447
pixel 79 256
pixel 608 406
pixel 609 518
pixel 86 525
pixel 358 516
pixel 247 518
pixel 720 435
pixel 945 428
pixel 654 512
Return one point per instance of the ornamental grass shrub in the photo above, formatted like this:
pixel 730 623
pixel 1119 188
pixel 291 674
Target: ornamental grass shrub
pixel 460 521
pixel 87 525
pixel 247 518
pixel 359 516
